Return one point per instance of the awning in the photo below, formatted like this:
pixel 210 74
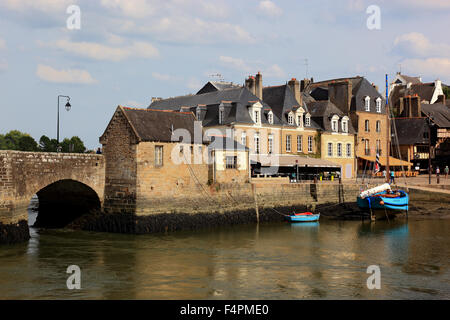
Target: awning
pixel 290 161
pixel 393 162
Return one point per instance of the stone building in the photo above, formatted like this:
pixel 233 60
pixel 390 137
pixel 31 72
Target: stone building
pixel 273 122
pixel 360 100
pixel 154 154
pixel 337 137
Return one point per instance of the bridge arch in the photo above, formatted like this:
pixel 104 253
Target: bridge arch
pixel 63 201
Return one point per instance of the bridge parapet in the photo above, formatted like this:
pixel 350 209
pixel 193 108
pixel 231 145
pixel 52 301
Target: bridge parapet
pixel 23 174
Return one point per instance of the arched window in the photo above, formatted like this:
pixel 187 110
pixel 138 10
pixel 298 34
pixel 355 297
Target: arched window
pixel 379 105
pixel 270 117
pixel 366 126
pixel 367 103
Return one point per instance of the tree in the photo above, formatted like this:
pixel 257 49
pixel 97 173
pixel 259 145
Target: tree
pixel 16 140
pixel 47 145
pixel 446 92
pixel 73 145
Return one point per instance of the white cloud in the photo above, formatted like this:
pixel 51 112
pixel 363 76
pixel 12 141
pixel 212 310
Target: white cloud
pixel 3 65
pixel 424 4
pixel 165 77
pixel 130 8
pixel 2 44
pixel 234 63
pixel 433 68
pixel 50 74
pixel 269 9
pixel 194 84
pixel 98 51
pixel 274 71
pixel 38 5
pixel 418 45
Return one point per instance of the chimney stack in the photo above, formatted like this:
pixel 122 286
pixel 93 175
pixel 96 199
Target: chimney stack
pixel 250 84
pixel 294 84
pixel 259 86
pixel 156 99
pixel 304 83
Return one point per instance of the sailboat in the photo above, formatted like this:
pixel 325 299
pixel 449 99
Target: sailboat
pixel 382 196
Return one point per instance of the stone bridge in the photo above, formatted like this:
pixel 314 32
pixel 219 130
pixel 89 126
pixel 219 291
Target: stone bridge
pixel 66 184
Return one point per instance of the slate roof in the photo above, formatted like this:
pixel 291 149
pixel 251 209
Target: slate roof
pixel 212 86
pixel 282 100
pixel 157 125
pixel 410 131
pixel 361 88
pixel 439 112
pixel 321 113
pixel 409 79
pixel 424 90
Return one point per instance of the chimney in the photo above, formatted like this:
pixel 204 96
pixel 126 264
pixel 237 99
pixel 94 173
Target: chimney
pixel 438 84
pixel 375 86
pixel 259 86
pixel 441 99
pixel 304 83
pixel 340 94
pixel 294 84
pixel 250 84
pixel 416 109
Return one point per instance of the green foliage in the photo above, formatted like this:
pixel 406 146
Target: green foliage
pixel 446 92
pixel 16 140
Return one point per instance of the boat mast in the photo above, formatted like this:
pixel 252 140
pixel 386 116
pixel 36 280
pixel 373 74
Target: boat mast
pixel 388 137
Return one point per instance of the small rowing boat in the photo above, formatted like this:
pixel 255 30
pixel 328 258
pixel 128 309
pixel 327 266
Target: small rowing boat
pixel 303 217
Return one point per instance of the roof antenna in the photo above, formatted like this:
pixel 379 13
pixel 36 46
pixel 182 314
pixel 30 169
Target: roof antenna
pixel 218 76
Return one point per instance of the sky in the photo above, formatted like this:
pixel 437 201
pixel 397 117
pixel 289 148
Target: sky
pixel 127 51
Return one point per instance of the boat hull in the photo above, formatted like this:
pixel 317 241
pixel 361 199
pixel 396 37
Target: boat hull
pixel 303 218
pixel 378 201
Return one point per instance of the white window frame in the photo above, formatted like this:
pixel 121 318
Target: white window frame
pixel 366 125
pixel 291 119
pixel 288 143
pixel 244 138
pixel 257 116
pixel 330 149
pixel 339 150
pixel 307 120
pixel 270 143
pixel 349 150
pixel 270 117
pixel 378 105
pixel 256 141
pixel 221 115
pixel 335 123
pixel 378 126
pixel 299 143
pixel 344 124
pixel 310 144
pixel 159 156
pixel 367 103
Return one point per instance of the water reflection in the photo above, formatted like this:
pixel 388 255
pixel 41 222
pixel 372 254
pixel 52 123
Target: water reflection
pixel 270 261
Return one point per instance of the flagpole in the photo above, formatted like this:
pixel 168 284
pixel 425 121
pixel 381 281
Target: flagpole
pixel 388 138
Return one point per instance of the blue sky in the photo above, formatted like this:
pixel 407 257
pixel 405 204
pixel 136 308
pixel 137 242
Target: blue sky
pixel 127 51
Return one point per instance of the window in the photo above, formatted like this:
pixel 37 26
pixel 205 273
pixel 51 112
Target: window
pixel 345 126
pixel 256 138
pixel 199 113
pixel 334 125
pixel 310 144
pixel 378 126
pixel 349 150
pixel 367 103
pixel 307 121
pixel 366 147
pixel 270 144
pixel 330 149
pixel 244 138
pixel 379 147
pixel 291 119
pixel 257 120
pixel 299 120
pixel 221 112
pixel 299 144
pixel 158 156
pixel 379 105
pixel 231 162
pixel 366 126
pixel 270 117
pixel 288 143
pixel 339 149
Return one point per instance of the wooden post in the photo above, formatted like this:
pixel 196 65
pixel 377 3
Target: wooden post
pixel 256 202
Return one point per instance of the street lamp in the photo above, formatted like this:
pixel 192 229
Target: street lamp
pixel 67 106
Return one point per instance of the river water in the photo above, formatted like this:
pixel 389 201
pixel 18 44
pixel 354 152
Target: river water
pixel 326 260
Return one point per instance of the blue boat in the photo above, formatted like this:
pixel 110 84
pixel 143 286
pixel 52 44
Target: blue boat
pixel 398 200
pixel 303 217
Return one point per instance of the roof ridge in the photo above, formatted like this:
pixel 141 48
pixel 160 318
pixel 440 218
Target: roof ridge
pixel 158 110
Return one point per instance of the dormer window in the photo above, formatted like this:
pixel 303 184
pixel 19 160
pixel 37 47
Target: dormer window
pixel 270 117
pixel 198 113
pixel 334 123
pixel 307 120
pixel 344 124
pixel 379 105
pixel 291 119
pixel 256 116
pixel 255 112
pixel 367 103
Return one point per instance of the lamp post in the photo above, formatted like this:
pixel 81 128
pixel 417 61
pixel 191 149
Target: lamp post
pixel 67 106
pixel 430 124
